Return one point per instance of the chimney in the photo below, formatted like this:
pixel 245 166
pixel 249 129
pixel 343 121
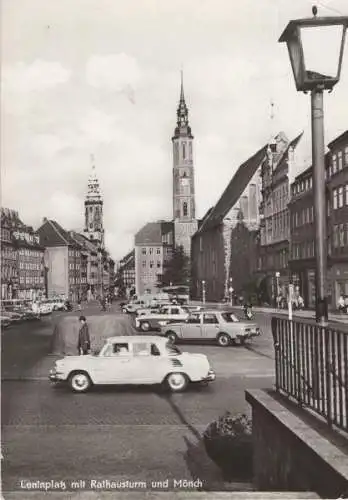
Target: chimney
pixel 44 219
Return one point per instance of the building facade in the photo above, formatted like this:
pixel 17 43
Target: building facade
pixel 153 249
pixel 126 272
pixel 64 261
pixel 302 244
pixel 338 196
pixel 212 265
pixel 22 266
pixel 273 251
pixel 184 209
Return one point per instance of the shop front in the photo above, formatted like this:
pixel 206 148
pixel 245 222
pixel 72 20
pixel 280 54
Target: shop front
pixel 339 273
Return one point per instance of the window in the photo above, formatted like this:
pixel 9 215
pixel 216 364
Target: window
pixel 346 194
pixel 209 319
pixel 184 150
pixel 334 164
pixel 120 349
pixel 335 199
pixel 340 197
pixel 341 235
pixel 143 251
pixel 335 236
pixel 158 264
pixel 151 251
pixel 151 264
pixel 158 251
pixel 144 263
pixel 184 209
pixel 346 156
pixel 194 319
pixel 340 161
pixel 141 349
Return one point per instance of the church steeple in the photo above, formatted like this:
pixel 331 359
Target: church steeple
pixel 183 128
pixel 94 209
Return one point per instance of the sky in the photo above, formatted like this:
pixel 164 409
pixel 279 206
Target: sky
pixel 102 78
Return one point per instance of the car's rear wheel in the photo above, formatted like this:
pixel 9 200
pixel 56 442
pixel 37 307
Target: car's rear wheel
pixel 176 382
pixel 172 336
pixel 79 382
pixel 223 340
pixel 145 326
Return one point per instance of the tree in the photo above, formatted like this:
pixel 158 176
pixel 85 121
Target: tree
pixel 177 269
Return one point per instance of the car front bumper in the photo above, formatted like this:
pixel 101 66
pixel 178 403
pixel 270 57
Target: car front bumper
pixel 211 376
pixel 55 376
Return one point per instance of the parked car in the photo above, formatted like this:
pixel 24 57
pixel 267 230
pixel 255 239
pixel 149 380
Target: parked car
pixel 133 360
pixel 165 315
pixel 59 304
pixel 132 307
pixel 222 326
pixel 5 321
pixel 150 310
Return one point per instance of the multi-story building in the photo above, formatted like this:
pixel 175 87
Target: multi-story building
pixel 212 267
pixel 63 260
pixel 153 249
pixel 302 243
pixel 338 195
pixel 9 268
pixel 126 271
pixel 23 264
pixel 273 251
pixel 184 209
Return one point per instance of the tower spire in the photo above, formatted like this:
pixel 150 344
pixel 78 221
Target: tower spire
pixel 182 95
pixel 183 128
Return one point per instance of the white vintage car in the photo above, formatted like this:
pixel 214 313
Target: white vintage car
pixel 222 326
pixel 164 316
pixel 133 360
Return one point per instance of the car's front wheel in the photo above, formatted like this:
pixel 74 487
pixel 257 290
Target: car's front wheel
pixel 172 336
pixel 145 326
pixel 79 382
pixel 176 382
pixel 223 340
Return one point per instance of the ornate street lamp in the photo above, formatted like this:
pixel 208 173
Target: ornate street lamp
pixel 231 292
pixel 316 48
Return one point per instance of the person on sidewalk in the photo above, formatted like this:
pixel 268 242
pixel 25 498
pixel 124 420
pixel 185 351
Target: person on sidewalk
pixel 341 305
pixel 84 341
pixel 79 304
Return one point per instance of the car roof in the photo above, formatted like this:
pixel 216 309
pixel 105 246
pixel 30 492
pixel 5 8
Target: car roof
pixel 137 338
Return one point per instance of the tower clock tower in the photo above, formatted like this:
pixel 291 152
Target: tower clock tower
pixel 185 223
pixel 94 229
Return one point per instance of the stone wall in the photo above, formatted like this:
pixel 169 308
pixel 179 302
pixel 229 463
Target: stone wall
pixel 289 454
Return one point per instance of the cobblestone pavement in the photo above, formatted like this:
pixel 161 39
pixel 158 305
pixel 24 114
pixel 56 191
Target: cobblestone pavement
pixel 112 433
pixel 139 434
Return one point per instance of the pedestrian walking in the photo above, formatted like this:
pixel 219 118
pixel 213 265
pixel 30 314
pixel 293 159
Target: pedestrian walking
pixel 84 342
pixel 79 304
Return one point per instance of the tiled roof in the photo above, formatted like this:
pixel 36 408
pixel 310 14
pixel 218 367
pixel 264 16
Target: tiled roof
pixel 52 234
pixel 85 242
pixel 340 138
pixel 152 232
pixel 234 190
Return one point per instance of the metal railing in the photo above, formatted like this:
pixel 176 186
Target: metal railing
pixel 311 365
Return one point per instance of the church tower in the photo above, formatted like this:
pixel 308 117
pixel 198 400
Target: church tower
pixel 94 229
pixel 185 223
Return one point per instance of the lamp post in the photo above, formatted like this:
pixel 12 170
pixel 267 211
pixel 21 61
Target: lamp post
pixel 231 292
pixel 315 47
pixel 203 291
pixel 277 275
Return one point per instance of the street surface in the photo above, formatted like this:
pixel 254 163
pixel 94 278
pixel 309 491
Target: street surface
pixel 140 434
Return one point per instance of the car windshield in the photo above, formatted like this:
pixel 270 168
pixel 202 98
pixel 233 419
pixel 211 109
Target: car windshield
pixel 172 349
pixel 230 317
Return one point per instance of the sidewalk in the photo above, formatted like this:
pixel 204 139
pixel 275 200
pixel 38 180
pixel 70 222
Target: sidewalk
pixel 306 313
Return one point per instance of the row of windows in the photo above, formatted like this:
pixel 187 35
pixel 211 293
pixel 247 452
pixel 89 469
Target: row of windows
pixel 30 265
pixel 77 280
pixel 8 272
pixel 5 234
pixel 301 187
pixel 151 251
pixel 31 279
pixel 74 266
pixel 340 197
pixel 337 161
pixel 305 216
pixel 151 264
pixel 74 253
pixel 304 250
pixel 30 253
pixel 9 253
pixel 340 235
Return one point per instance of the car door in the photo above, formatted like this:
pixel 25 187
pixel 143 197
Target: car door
pixel 149 366
pixel 115 366
pixel 191 329
pixel 210 326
